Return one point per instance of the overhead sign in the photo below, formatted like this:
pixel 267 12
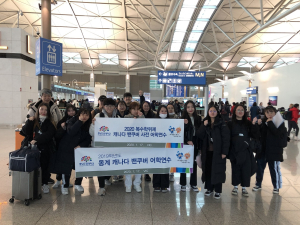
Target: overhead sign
pixel 147 96
pixel 252 99
pixel 181 77
pixel 127 132
pixel 116 161
pixel 175 91
pixel 48 57
pixel 252 90
pixel 110 95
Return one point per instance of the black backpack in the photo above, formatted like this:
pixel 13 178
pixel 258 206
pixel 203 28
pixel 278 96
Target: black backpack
pixel 287 115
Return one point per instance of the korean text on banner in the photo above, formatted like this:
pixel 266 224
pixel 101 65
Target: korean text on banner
pixel 117 161
pixel 127 132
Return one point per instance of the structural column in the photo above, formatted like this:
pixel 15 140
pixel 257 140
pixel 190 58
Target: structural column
pixel 92 80
pixel 205 100
pixel 127 82
pixel 46 33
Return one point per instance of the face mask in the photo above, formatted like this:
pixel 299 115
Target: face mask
pixel 171 114
pixel 163 116
pixel 42 118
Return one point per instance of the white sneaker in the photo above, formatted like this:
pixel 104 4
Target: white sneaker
pixel 56 184
pixel 45 188
pixel 138 188
pixel 101 191
pixel 79 188
pixel 64 191
pixel 296 138
pixel 107 182
pixel 128 189
pixel 171 178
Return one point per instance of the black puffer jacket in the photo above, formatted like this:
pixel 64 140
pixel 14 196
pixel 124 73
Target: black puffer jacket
pixel 272 139
pixel 189 128
pixel 63 161
pixel 44 134
pixel 221 142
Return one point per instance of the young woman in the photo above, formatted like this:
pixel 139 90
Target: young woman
pixel 146 110
pixel 215 137
pixel 254 111
pixel 161 181
pixel 294 121
pixel 43 129
pixel 148 113
pixel 121 113
pixel 77 136
pixel 192 123
pixel 62 125
pixel 109 111
pixel 273 141
pixel 171 111
pixel 240 155
pixel 134 112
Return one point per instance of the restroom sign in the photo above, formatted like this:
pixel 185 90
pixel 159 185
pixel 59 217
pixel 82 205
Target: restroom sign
pixel 48 57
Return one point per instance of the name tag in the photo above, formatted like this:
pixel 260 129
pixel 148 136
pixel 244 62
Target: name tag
pixel 241 135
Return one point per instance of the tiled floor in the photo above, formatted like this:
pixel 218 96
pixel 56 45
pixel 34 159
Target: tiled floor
pixel 174 207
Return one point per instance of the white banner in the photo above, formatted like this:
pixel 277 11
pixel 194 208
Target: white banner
pixel 110 95
pixel 127 132
pixel 118 161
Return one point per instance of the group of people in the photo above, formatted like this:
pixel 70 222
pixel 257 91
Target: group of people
pixel 213 137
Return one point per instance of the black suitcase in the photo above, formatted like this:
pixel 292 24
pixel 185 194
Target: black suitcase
pixel 26 159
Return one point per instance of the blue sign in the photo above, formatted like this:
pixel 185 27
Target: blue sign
pixel 175 91
pixel 252 90
pixel 48 57
pixel 252 99
pixel 181 77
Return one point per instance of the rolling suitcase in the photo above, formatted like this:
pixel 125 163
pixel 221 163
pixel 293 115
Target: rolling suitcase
pixel 26 186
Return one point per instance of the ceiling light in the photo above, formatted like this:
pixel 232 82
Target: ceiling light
pixel 208 71
pixel 72 57
pixel 109 59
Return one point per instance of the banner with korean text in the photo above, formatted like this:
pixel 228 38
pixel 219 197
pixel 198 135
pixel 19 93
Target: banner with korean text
pixel 147 133
pixel 118 161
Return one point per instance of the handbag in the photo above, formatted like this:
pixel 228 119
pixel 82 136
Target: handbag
pixel 198 160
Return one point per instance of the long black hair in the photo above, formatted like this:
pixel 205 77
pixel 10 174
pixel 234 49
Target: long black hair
pixel 158 111
pixel 185 114
pixel 142 110
pixel 208 117
pixel 244 119
pixel 86 125
pixel 65 118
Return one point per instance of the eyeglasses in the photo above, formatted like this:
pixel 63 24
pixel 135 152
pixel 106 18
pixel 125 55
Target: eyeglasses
pixel 213 111
pixel 240 110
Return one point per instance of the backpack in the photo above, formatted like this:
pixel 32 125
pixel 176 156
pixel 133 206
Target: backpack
pixel 287 115
pixel 284 140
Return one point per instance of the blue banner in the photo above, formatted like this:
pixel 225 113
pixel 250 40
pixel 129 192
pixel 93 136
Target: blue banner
pixel 181 77
pixel 175 90
pixel 252 90
pixel 48 57
pixel 252 99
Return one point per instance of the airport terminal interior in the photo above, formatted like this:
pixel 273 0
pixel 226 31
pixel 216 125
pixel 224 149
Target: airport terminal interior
pixel 229 61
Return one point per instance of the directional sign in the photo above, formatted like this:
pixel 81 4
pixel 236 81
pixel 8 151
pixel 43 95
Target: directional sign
pixel 48 57
pixel 181 77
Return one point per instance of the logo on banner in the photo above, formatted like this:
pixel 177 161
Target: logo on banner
pixel 104 131
pixel 178 129
pixel 187 155
pixel 175 132
pixel 179 155
pixel 86 161
pixel 172 129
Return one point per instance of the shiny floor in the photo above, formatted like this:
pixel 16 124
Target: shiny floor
pixel 174 207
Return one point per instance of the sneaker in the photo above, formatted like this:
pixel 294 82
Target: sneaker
pixel 138 188
pixel 128 189
pixel 183 188
pixel 208 193
pixel 256 188
pixel 217 195
pixel 107 182
pixel 275 191
pixel 245 192
pixel 195 188
pixel 56 185
pixel 234 191
pixel 171 179
pixel 101 191
pixel 157 189
pixel 50 181
pixel 164 190
pixel 79 188
pixel 64 191
pixel 116 178
pixel 296 138
pixel 45 188
pixel 147 177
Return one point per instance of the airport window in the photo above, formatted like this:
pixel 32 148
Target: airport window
pixel 109 59
pixel 71 57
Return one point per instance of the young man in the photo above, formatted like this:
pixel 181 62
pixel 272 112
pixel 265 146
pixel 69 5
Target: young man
pixel 294 121
pixel 142 98
pixel 100 103
pixel 273 141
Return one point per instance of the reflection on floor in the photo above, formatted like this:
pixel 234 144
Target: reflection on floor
pixel 174 207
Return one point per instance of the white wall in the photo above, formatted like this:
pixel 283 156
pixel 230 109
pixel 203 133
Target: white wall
pixel 18 82
pixel 285 79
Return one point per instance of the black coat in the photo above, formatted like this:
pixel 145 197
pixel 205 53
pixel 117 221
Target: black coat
pixel 189 130
pixel 150 114
pixel 43 134
pixel 63 160
pixel 272 139
pixel 221 142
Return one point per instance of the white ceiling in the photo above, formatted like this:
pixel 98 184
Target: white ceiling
pixel 140 32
